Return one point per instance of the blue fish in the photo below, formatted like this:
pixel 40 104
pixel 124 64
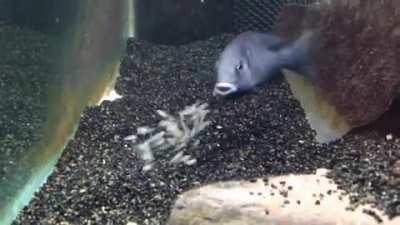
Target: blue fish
pixel 253 58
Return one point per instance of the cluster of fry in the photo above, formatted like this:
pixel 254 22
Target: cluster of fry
pixel 173 133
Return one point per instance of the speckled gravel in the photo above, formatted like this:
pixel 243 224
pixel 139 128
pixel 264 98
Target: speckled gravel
pixel 99 179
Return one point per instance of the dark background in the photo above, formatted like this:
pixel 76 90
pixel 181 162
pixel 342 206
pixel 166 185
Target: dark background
pixel 170 22
pixel 50 16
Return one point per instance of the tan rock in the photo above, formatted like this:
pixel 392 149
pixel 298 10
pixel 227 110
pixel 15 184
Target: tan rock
pixel 283 200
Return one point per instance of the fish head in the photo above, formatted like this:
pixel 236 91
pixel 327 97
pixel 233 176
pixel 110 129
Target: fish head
pixel 233 71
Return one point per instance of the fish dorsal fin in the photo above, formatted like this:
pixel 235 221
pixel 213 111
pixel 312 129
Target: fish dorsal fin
pixel 277 46
pixel 273 42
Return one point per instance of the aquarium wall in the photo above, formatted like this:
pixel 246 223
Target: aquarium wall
pixel 56 58
pixel 45 15
pixel 180 21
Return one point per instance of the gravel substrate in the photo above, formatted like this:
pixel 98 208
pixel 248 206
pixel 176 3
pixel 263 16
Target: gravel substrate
pixel 99 178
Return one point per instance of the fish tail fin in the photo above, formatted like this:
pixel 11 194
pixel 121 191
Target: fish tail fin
pixel 300 53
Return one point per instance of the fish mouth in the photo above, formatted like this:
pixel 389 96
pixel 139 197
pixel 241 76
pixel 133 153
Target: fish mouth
pixel 223 89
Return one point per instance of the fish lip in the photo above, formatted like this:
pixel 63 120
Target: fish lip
pixel 232 89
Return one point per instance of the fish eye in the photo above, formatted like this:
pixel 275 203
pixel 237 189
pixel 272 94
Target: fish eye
pixel 239 67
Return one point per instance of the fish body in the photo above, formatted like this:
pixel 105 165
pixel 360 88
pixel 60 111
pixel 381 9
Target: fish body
pixel 253 58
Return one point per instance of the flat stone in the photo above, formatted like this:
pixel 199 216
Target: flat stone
pixel 311 199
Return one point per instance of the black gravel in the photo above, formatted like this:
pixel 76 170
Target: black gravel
pixel 99 177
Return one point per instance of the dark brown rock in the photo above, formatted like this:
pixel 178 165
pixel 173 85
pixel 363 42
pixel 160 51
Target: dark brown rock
pixel 396 168
pixel 357 62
